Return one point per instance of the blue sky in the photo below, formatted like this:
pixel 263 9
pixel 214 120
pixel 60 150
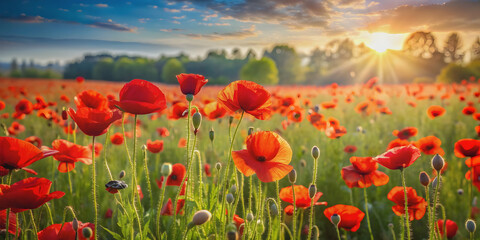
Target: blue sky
pixel 47 30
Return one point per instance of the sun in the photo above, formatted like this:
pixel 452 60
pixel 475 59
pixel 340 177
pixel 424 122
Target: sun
pixel 381 42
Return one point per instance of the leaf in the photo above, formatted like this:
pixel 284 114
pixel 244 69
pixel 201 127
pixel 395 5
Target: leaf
pixel 114 235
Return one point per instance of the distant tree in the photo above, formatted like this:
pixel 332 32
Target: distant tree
pixel 15 74
pixel 124 69
pixel 32 64
pixel 145 69
pixel 236 53
pixel 104 69
pixel 50 74
pixel 452 47
pixel 454 72
pixel 475 50
pixel 421 44
pixel 316 66
pixel 172 68
pixel 250 54
pixel 288 64
pixel 474 67
pixel 14 65
pixel 263 71
pixel 23 67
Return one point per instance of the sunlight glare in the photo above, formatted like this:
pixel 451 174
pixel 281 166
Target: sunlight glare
pixel 380 41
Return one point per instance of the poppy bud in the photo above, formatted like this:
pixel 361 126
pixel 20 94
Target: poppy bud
pixel 359 129
pixel 315 152
pixel 292 176
pixel 201 217
pixel 312 190
pixel 438 162
pixel 232 235
pixel 273 209
pixel 144 147
pixel 250 131
pixel 189 97
pixel 424 178
pixel 121 174
pixel 64 114
pixel 233 188
pixel 303 163
pixel 316 108
pixel 250 217
pixel 260 227
pixel 231 227
pixel 196 120
pixel 434 182
pixel 87 232
pixel 335 219
pixel 390 225
pixel 230 120
pixel 460 191
pixel 166 169
pixel 230 198
pixel 211 135
pixel 470 225
pixel 75 224
pixel 218 166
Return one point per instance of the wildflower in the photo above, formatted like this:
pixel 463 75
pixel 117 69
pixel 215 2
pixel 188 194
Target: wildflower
pixel 191 83
pixel 416 204
pixel 350 217
pixel 141 97
pixel 363 173
pixel 69 153
pixel 399 157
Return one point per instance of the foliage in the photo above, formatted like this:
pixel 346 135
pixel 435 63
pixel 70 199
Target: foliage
pixel 172 68
pixel 261 71
pixel 290 70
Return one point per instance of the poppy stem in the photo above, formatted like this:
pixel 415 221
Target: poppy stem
pixel 200 178
pixel 393 233
pixel 301 223
pixel 435 199
pixel 472 175
pixel 366 211
pixel 134 176
pixel 283 226
pixel 49 213
pixel 150 193
pixel 407 218
pixel 94 186
pixel 33 223
pixel 429 210
pixel 105 154
pixel 294 208
pixel 444 216
pixel 69 182
pixel 159 207
pixel 338 232
pixel 7 221
pixel 279 209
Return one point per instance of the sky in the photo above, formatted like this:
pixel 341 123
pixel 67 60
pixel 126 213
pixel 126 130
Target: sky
pixel 49 30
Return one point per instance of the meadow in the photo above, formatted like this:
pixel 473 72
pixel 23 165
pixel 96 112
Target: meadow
pixel 342 121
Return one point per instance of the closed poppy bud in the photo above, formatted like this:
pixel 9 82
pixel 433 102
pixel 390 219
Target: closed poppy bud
pixel 64 114
pixel 250 216
pixel 201 217
pixel 460 191
pixel 390 225
pixel 231 227
pixel 303 163
pixel 438 162
pixel 292 176
pixel 87 232
pixel 233 188
pixel 424 179
pixel 75 224
pixel 273 209
pixel 211 134
pixel 232 235
pixel 144 147
pixel 250 131
pixel 260 227
pixel 166 169
pixel 470 225
pixel 312 190
pixel 359 129
pixel 316 108
pixel 230 120
pixel 122 174
pixel 434 182
pixel 335 219
pixel 315 152
pixel 218 166
pixel 196 120
pixel 230 198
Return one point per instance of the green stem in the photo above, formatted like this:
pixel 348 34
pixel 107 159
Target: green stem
pixel 393 234
pixel 159 207
pixel 94 186
pixel 7 221
pixel 407 218
pixel 402 233
pixel 136 194
pixel 301 223
pixel 279 209
pixel 33 223
pixel 429 210
pixel 338 232
pixel 434 206
pixel 49 213
pixel 283 226
pixel 366 211
pixel 294 226
pixel 200 178
pixel 149 185
pixel 70 182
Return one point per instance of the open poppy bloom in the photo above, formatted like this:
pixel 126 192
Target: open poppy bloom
pixel 467 148
pixel 167 209
pixel 98 148
pixel 451 227
pixel 302 198
pixel 163 132
pixel 155 146
pixel 91 99
pixel 29 193
pixel 24 107
pixel 34 140
pixel 416 204
pixel 295 114
pixel 19 154
pixel 178 110
pixel 350 216
pixel 94 122
pixel 191 83
pixel 115 185
pixel 15 128
pixel 397 142
pixel 141 97
pixel 363 173
pixel 246 96
pixel 476 176
pixel 213 110
pixel 405 133
pixel 435 111
pixel 267 155
pixel 399 157
pixel 430 145
pixel 238 223
pixel 12 222
pixel 317 120
pixel 350 149
pixel 176 177
pixel 117 139
pixel 468 110
pixel 69 153
pixel 53 232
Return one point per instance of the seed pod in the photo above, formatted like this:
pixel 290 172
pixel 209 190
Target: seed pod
pixel 470 225
pixel 189 97
pixel 211 135
pixel 75 224
pixel 390 225
pixel 196 120
pixel 438 162
pixel 144 147
pixel 64 114
pixel 166 169
pixel 434 182
pixel 292 176
pixel 260 227
pixel 233 188
pixel 201 217
pixel 230 198
pixel 303 163
pixel 273 209
pixel 87 232
pixel 460 191
pixel 218 166
pixel 312 190
pixel 121 174
pixel 335 219
pixel 250 131
pixel 250 217
pixel 359 129
pixel 315 152
pixel 232 235
pixel 424 178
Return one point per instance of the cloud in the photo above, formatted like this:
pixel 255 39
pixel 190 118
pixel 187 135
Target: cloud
pixel 207 17
pixel 63 10
pixel 243 33
pixel 175 22
pixel 113 26
pixel 143 20
pixel 171 10
pixel 181 17
pixel 101 5
pixel 171 30
pixel 456 15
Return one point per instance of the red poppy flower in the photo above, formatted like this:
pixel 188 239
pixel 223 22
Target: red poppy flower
pixel 247 96
pixel 34 140
pixel 213 110
pixel 2 105
pixel 317 120
pixel 350 149
pixel 406 133
pixel 117 139
pixel 206 168
pixel 363 108
pixel 350 216
pixel 24 107
pixel 430 145
pixel 416 204
pixel 98 148
pixel 328 105
pixel 15 128
pixel 155 146
pixel 398 143
pixel 53 232
pixel 108 213
pixel 296 114
pixel 12 222
pixel 335 131
pixel 140 193
pixel 64 98
pixel 91 99
pixel 302 198
pixel 468 110
pixel 163 132
pixel 435 111
pixel 385 110
pixel 69 153
pixel 94 122
pixel 363 173
pixel 19 154
pixel 267 155
pixel 176 177
pixel 451 227
pixel 80 79
pixel 29 193
pixel 399 157
pixel 167 209
pixel 476 176
pixel 467 148
pixel 191 83
pixel 178 110
pixel 238 223
pixel 141 97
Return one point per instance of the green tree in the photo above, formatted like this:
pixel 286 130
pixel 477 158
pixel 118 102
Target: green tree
pixel 263 71
pixel 145 69
pixel 474 67
pixel 104 69
pixel 290 70
pixel 124 69
pixel 172 68
pixel 454 73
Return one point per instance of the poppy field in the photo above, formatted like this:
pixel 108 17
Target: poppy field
pixel 83 159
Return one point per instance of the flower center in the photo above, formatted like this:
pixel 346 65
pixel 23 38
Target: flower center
pixel 261 159
pixel 173 177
